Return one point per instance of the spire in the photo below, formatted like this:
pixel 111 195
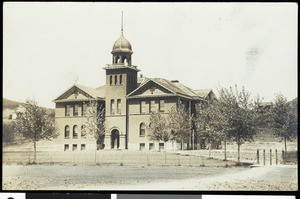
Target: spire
pixel 122 24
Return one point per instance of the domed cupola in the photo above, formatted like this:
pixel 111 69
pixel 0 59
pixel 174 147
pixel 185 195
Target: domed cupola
pixel 122 50
pixel 122 45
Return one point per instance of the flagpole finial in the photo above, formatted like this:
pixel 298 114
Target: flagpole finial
pixel 122 24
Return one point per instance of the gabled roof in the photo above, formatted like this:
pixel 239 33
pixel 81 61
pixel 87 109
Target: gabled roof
pixel 175 88
pixel 203 93
pixel 187 90
pixel 98 93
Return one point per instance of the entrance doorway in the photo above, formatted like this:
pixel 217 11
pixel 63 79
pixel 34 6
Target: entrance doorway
pixel 115 139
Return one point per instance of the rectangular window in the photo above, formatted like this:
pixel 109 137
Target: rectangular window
pixel 74 147
pixel 68 110
pixel 151 146
pixel 152 106
pixel 119 106
pixel 76 107
pixel 161 146
pixel 121 79
pixel 161 105
pixel 84 108
pixel 80 109
pixel 142 146
pixel 66 147
pixel 143 106
pixel 116 79
pixel 83 147
pixel 112 107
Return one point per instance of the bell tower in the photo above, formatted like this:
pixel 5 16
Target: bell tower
pixel 121 79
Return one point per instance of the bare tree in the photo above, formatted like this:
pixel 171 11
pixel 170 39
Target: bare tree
pixel 284 119
pixel 34 124
pixel 180 124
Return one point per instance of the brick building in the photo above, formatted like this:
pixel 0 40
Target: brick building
pixel 128 100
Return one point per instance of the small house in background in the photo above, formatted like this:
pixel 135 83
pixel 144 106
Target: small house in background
pixel 17 112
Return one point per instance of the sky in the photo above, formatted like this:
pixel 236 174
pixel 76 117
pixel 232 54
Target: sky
pixel 48 47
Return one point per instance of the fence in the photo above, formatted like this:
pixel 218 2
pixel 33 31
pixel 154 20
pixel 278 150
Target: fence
pixel 175 158
pixel 112 158
pixel 259 156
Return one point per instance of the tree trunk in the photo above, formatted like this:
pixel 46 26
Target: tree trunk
pixel 34 153
pixel 239 153
pixel 285 148
pixel 173 145
pixel 225 152
pixel 96 155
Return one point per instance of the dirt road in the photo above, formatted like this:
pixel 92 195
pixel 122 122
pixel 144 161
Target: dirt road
pixel 64 177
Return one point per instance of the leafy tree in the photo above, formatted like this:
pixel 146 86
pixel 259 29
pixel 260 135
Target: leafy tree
pixel 95 125
pixel 34 124
pixel 241 113
pixel 284 119
pixel 212 121
pixel 180 124
pixel 8 132
pixel 158 128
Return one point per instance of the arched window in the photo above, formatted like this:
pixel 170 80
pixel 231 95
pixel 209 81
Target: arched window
pixel 125 62
pixel 116 79
pixel 142 129
pixel 67 131
pixel 121 80
pixel 110 80
pixel 75 131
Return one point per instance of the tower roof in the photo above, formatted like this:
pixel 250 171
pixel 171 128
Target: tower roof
pixel 122 45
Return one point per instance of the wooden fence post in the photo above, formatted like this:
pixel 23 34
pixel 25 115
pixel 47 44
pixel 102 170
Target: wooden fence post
pixel 257 156
pixel 264 156
pixel 270 156
pixel 276 156
pixel 282 156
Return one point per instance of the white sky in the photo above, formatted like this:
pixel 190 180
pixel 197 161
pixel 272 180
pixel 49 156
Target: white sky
pixel 50 46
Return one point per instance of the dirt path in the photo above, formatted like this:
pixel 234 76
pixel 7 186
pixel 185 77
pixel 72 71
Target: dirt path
pixel 63 177
pixel 259 178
